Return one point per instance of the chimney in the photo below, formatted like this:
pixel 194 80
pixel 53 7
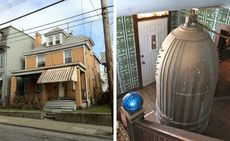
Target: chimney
pixel 38 40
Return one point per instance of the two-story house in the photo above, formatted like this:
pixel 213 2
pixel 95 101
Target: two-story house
pixel 13 43
pixel 62 68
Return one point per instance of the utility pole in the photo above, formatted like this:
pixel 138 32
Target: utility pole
pixel 108 46
pixel 108 52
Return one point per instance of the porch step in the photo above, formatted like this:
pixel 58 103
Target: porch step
pixel 49 115
pixel 60 105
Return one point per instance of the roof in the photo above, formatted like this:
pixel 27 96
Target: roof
pixel 75 39
pixel 97 58
pixel 55 31
pixel 70 41
pixel 7 27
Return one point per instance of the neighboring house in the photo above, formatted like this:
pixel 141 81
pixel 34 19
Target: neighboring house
pixel 104 73
pixel 13 43
pixel 63 68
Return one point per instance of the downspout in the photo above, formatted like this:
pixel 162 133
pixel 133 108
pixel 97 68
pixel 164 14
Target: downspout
pixel 4 74
pixel 4 77
pixel 86 84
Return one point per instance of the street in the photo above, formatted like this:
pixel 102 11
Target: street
pixel 16 133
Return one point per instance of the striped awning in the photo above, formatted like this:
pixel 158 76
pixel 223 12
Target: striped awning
pixel 58 75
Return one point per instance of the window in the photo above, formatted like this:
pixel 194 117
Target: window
pixel 1 59
pixel 50 38
pixel 68 56
pixel 57 39
pixel 41 61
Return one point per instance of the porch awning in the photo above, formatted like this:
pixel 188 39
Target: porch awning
pixel 58 75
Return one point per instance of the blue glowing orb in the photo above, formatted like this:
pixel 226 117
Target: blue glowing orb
pixel 132 102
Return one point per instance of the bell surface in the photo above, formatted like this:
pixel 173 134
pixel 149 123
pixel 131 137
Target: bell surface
pixel 186 78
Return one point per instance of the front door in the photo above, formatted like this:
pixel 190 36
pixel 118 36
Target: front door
pixel 61 90
pixel 151 35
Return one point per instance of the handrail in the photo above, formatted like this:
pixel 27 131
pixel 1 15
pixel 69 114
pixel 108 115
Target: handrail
pixel 169 133
pixel 140 129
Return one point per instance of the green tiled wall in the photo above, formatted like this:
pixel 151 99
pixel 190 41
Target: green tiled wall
pixel 174 19
pixel 127 75
pixel 208 17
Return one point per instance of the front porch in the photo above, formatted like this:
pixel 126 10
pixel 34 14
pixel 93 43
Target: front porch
pixel 36 88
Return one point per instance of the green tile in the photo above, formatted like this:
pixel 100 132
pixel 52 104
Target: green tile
pixel 211 13
pixel 201 13
pixel 223 15
pixel 126 54
pixel 209 24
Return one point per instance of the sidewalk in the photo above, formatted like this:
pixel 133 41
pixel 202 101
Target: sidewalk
pixel 64 127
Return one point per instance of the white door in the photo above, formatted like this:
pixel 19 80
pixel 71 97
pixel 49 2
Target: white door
pixel 61 90
pixel 151 35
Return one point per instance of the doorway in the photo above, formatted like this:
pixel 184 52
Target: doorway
pixel 223 48
pixel 151 34
pixel 61 90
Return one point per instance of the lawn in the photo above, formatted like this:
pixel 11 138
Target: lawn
pixel 93 109
pixel 96 109
pixel 22 110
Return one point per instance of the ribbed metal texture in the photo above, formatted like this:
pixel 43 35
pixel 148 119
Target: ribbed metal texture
pixel 186 77
pixel 58 75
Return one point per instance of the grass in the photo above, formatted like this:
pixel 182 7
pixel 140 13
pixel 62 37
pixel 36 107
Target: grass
pixel 93 109
pixel 15 109
pixel 96 109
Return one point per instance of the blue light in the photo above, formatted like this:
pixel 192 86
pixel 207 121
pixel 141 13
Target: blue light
pixel 132 102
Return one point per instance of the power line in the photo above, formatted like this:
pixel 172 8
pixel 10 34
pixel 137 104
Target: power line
pixel 82 15
pixel 12 4
pixel 53 26
pixel 90 28
pixel 62 28
pixel 67 18
pixel 60 21
pixel 32 12
pixel 94 8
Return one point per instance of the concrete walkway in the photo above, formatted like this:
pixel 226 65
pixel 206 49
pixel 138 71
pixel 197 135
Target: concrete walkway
pixel 64 127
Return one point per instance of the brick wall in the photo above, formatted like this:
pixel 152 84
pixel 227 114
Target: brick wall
pixel 30 62
pixel 78 55
pixel 70 93
pixel 54 58
pixel 52 90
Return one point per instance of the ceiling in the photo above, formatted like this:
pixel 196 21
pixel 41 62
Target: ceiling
pixel 131 7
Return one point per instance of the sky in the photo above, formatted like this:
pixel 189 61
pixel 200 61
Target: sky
pixel 60 11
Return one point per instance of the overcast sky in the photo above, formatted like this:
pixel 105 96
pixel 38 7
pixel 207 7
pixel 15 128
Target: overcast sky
pixel 62 10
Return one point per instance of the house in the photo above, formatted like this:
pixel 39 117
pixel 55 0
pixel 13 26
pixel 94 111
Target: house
pixel 13 43
pixel 63 68
pixel 104 73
